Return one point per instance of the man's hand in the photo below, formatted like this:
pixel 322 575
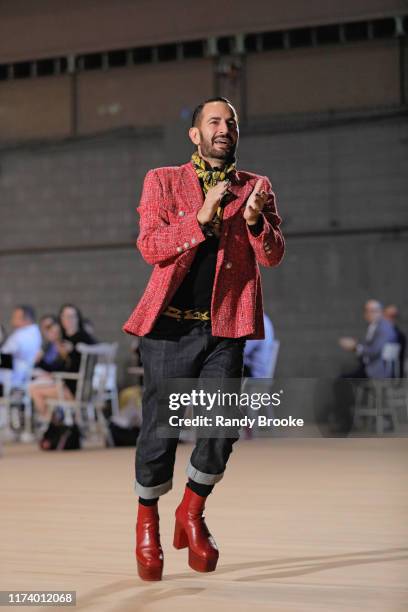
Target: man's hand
pixel 348 344
pixel 212 201
pixel 255 203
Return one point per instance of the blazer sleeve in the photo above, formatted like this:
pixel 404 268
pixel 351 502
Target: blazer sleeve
pixel 372 350
pixel 269 244
pixel 160 241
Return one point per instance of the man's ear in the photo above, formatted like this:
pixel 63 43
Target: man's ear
pixel 194 134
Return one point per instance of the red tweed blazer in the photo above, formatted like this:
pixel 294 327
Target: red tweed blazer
pixel 168 239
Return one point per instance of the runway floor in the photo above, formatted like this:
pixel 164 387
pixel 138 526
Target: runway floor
pixel 302 525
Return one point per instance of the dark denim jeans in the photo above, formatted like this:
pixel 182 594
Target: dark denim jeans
pixel 195 354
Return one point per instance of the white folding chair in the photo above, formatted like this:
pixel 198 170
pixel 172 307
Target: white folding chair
pixel 372 396
pixel 5 402
pixel 10 408
pixel 106 374
pixel 87 406
pixel 390 355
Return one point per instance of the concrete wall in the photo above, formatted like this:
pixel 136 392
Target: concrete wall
pixel 35 108
pixel 48 28
pixel 318 79
pixel 152 94
pixel 68 227
pixel 337 77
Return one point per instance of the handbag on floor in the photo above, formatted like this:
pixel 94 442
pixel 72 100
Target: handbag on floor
pixel 59 436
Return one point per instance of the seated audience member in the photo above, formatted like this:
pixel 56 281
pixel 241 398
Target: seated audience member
pixel 339 411
pixel 369 351
pixel 50 358
pixel 73 333
pixel 23 344
pixel 45 320
pixel 258 353
pixel 392 315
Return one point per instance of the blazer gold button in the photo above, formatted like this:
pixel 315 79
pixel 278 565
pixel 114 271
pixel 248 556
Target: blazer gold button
pixel 228 265
pixel 193 241
pixel 179 249
pixel 186 245
pixel 181 213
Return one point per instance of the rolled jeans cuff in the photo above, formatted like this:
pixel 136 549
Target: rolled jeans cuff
pixel 152 492
pixel 202 477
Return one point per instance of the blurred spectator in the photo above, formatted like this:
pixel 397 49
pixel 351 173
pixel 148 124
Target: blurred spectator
pixel 392 315
pixel 337 412
pixel 50 358
pixel 379 332
pixel 44 322
pixel 23 343
pixel 2 334
pixel 73 333
pixel 258 354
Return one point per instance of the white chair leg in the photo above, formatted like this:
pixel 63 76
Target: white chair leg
pixel 115 401
pixel 28 416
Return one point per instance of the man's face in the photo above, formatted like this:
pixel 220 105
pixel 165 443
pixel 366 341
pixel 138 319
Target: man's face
pixel 372 311
pixel 217 133
pixel 18 319
pixel 45 325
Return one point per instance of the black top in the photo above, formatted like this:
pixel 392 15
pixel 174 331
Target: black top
pixel 195 291
pixel 73 359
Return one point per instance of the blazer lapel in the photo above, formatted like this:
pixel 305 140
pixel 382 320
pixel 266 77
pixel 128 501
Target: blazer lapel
pixel 240 191
pixel 190 188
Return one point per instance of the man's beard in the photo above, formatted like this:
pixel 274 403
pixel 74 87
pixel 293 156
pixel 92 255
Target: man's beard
pixel 208 150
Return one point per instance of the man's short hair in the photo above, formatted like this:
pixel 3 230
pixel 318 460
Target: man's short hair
pixel 197 111
pixel 28 311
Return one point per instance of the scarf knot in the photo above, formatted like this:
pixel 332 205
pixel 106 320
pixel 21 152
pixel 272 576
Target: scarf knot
pixel 209 178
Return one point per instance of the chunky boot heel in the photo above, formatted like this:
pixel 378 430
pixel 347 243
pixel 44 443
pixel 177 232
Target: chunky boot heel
pixel 180 537
pixel 191 531
pixel 149 553
pixel 201 564
pixel 149 573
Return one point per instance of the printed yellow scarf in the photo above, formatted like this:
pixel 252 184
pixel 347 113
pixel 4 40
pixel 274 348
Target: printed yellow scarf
pixel 210 177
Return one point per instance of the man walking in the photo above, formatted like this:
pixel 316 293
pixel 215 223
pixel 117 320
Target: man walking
pixel 204 226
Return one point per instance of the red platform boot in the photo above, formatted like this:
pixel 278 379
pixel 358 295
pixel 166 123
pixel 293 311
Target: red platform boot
pixel 192 532
pixel 149 553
